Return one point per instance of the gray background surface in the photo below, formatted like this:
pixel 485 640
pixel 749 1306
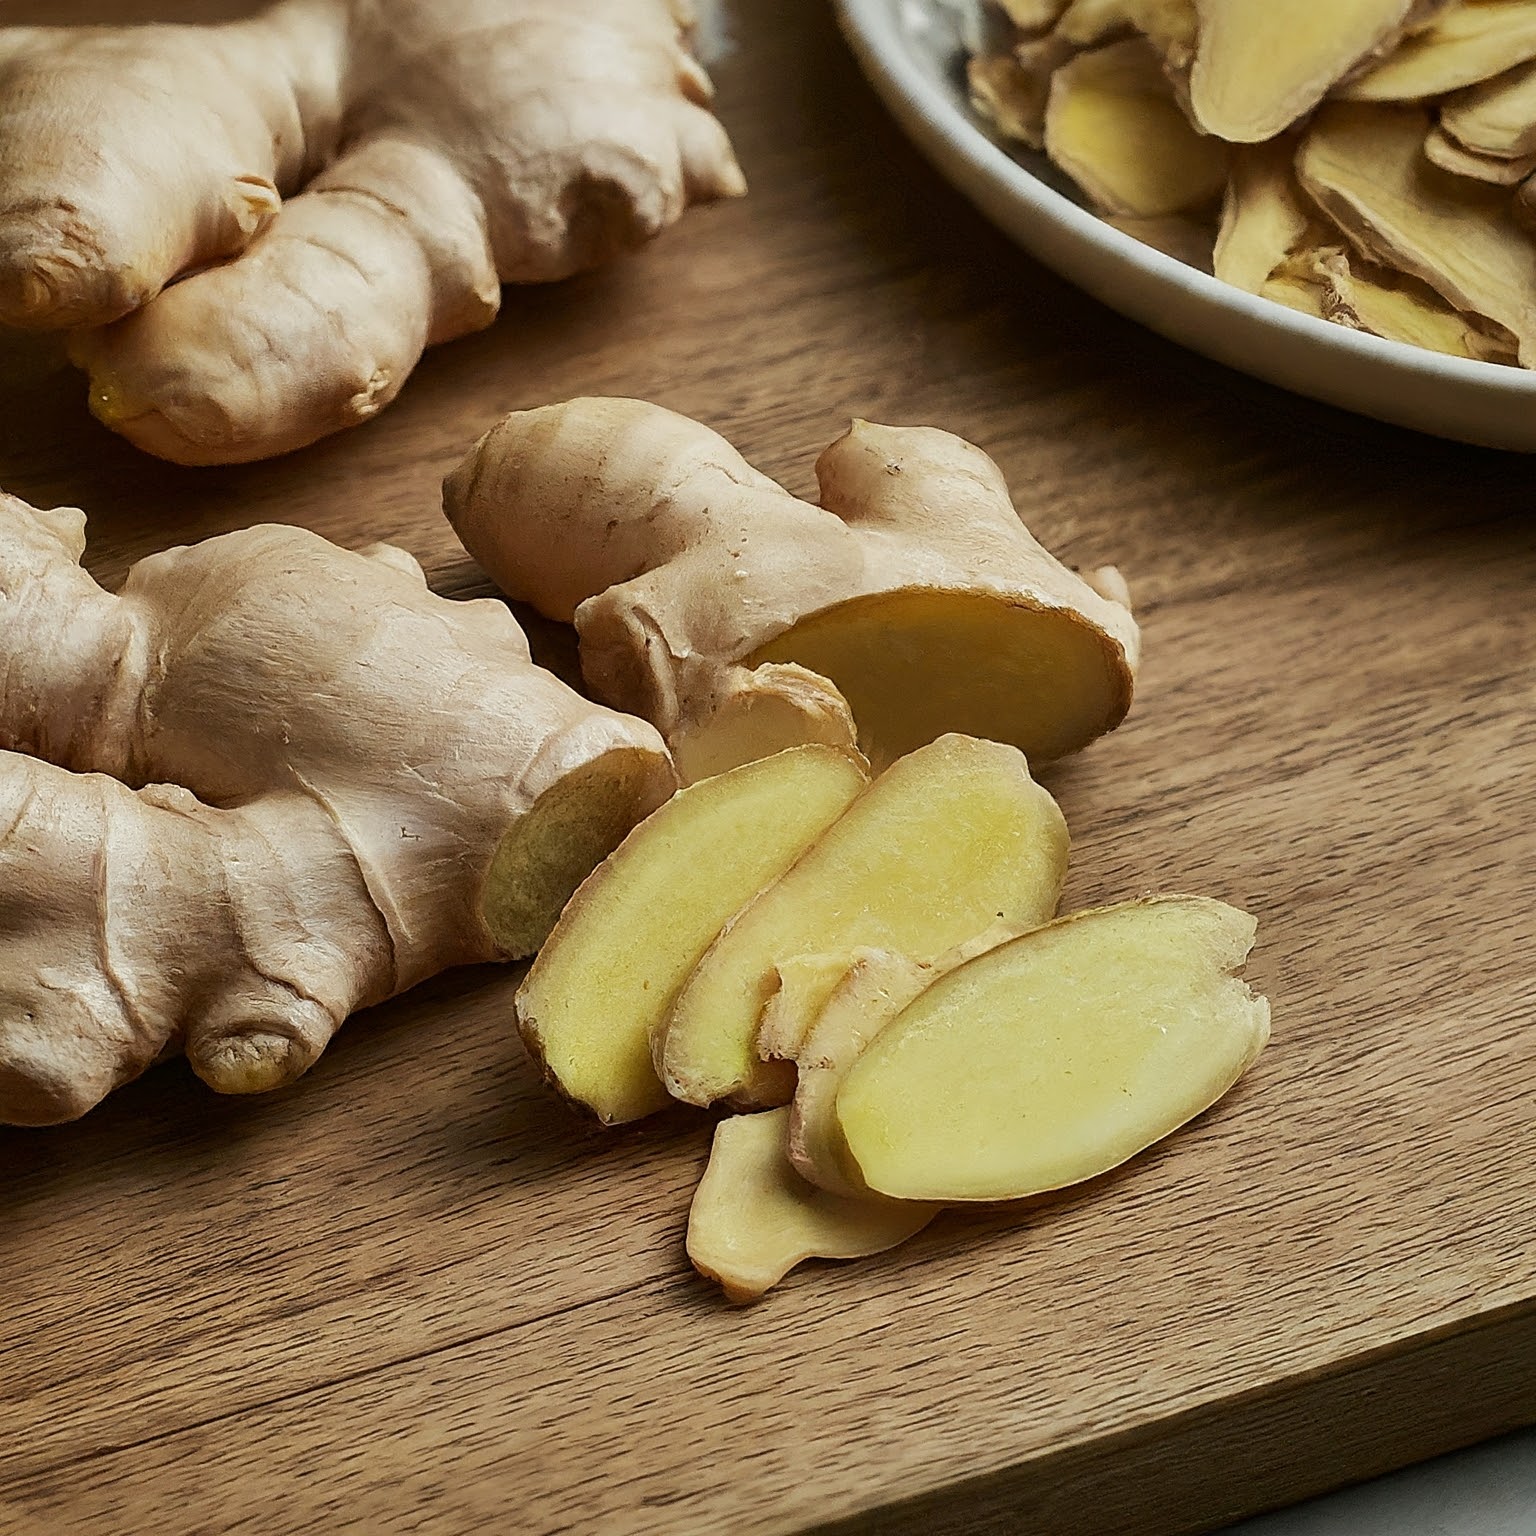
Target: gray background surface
pixel 1489 1490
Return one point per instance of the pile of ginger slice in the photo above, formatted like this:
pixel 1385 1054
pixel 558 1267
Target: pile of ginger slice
pixel 843 930
pixel 1368 163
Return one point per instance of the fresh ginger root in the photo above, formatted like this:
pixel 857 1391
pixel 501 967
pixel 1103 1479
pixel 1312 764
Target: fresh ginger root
pixel 350 784
pixel 255 228
pixel 633 933
pixel 946 844
pixel 739 620
pixel 1057 1056
pixel 754 1218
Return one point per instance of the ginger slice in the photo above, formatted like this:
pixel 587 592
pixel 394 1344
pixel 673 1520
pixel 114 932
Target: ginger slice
pixel 947 842
pixel 1364 165
pixel 1004 94
pixel 1169 25
pixel 804 985
pixel 873 987
pixel 1264 216
pixel 1400 308
pixel 1451 155
pixel 1058 1055
pixel 740 620
pixel 1330 284
pixel 1259 67
pixel 640 923
pixel 1113 125
pixel 1464 45
pixel 1497 117
pixel 801 984
pixel 1297 288
pixel 754 1218
pixel 870 993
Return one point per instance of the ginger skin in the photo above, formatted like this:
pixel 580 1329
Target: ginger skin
pixel 740 620
pixel 352 784
pixel 347 182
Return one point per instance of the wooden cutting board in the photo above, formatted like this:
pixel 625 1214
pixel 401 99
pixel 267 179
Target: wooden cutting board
pixel 413 1294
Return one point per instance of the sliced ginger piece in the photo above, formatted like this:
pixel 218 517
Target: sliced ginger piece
pixel 1113 125
pixel 1058 1055
pixel 804 986
pixel 643 919
pixel 1364 166
pixel 1496 117
pixel 1451 155
pixel 1464 45
pixel 869 994
pixel 1259 67
pixel 1295 286
pixel 871 990
pixel 947 842
pixel 802 983
pixel 1169 25
pixel 754 1218
pixel 1264 216
pixel 1399 308
pixel 1331 284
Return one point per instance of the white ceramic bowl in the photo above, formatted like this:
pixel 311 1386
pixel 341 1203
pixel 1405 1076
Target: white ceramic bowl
pixel 913 53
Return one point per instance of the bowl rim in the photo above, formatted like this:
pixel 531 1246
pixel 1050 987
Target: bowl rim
pixel 875 31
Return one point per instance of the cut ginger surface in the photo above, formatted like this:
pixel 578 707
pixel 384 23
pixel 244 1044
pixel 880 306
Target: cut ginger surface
pixel 754 1218
pixel 1055 1057
pixel 642 920
pixel 948 842
pixel 910 603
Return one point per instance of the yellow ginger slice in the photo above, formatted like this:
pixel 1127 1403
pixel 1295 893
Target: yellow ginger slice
pixel 1264 217
pixel 1465 44
pixel 1399 308
pixel 643 919
pixel 1169 25
pixel 1364 165
pixel 947 842
pixel 1058 1055
pixel 871 990
pixel 1112 124
pixel 1497 117
pixel 754 1218
pixel 802 984
pixel 805 984
pixel 1453 156
pixel 1259 67
pixel 870 993
pixel 1296 286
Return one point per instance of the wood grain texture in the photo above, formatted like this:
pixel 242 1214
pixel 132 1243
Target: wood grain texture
pixel 412 1293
